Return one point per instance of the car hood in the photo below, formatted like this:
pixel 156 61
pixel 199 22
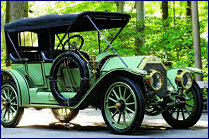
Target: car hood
pixel 131 61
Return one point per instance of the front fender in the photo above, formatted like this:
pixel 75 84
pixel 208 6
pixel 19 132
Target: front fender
pixel 21 83
pixel 192 70
pixel 94 94
pixel 171 75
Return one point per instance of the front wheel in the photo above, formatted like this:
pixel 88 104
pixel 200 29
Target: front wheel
pixel 123 106
pixel 187 109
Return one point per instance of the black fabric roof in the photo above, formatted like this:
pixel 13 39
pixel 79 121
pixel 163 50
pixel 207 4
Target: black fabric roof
pixel 59 23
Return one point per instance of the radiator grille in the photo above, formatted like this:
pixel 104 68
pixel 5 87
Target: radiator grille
pixel 159 67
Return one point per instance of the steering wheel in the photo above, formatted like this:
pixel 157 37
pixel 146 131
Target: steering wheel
pixel 71 45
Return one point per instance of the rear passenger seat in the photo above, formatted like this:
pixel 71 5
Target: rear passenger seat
pixel 25 57
pixel 33 56
pixel 45 56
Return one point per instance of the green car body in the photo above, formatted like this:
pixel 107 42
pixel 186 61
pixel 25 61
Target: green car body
pixel 31 96
pixel 57 84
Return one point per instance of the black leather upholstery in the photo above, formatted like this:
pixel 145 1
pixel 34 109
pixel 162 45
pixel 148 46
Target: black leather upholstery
pixel 45 56
pixel 17 60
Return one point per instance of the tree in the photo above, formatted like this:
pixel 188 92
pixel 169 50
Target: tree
pixel 120 6
pixel 2 27
pixel 174 13
pixel 15 10
pixel 139 25
pixel 140 11
pixel 196 38
pixel 188 9
pixel 7 19
pixel 164 10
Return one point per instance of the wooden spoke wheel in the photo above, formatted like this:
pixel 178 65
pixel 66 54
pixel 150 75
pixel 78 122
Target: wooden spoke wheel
pixel 123 106
pixel 187 109
pixel 11 113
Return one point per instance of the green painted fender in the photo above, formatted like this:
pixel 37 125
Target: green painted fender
pixel 20 81
pixel 95 92
pixel 171 74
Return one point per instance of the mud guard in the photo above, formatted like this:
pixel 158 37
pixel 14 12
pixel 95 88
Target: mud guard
pixel 171 74
pixel 94 94
pixel 21 83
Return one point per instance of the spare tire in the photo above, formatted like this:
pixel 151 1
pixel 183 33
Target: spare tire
pixel 65 62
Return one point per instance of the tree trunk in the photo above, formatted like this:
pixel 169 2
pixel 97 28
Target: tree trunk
pixel 2 27
pixel 18 9
pixel 196 38
pixel 140 11
pixel 3 38
pixel 139 25
pixel 15 10
pixel 120 6
pixel 189 11
pixel 7 19
pixel 164 10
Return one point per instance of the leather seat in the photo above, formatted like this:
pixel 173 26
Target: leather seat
pixel 45 56
pixel 17 60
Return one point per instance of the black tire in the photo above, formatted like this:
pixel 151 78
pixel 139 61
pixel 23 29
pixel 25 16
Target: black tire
pixel 8 105
pixel 192 117
pixel 68 116
pixel 134 89
pixel 84 73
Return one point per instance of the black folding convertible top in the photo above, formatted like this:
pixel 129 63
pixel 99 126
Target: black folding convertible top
pixel 78 22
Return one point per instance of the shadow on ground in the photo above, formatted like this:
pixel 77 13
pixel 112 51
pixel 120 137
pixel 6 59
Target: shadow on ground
pixel 144 129
pixel 150 129
pixel 71 126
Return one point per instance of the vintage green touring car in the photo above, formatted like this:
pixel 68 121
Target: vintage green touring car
pixel 62 77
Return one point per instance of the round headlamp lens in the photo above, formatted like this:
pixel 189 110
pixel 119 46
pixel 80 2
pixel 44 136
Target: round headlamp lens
pixel 156 81
pixel 187 80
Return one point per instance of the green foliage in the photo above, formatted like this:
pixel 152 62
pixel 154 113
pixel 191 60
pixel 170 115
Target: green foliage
pixel 170 43
pixel 3 55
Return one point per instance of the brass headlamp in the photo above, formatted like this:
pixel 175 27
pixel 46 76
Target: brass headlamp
pixel 184 79
pixel 154 79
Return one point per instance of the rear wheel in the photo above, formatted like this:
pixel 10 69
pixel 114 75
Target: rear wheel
pixel 11 113
pixel 123 106
pixel 187 109
pixel 65 115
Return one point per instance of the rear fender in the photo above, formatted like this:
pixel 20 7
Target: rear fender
pixel 97 91
pixel 21 83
